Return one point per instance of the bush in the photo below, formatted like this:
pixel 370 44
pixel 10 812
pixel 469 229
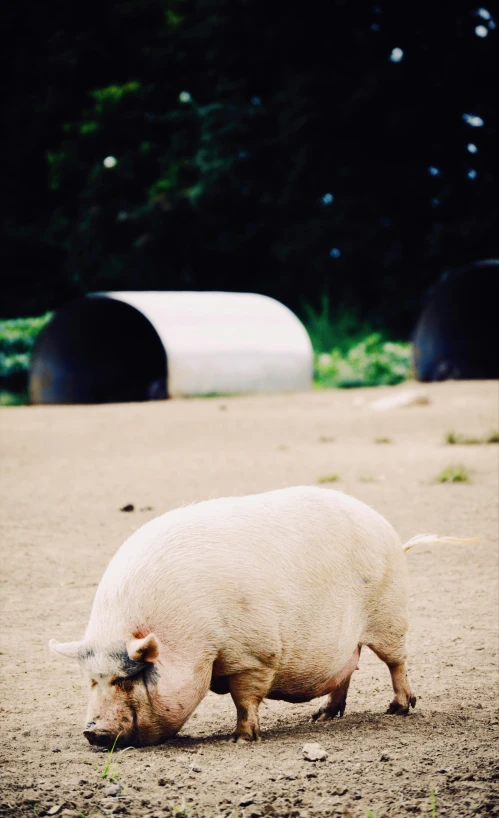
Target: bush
pixel 17 339
pixel 371 362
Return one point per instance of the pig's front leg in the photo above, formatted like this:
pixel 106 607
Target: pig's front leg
pixel 248 689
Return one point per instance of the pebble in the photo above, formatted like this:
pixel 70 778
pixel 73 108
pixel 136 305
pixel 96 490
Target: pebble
pixel 196 768
pixel 113 789
pixel 248 799
pixel 314 752
pixel 54 810
pixel 384 757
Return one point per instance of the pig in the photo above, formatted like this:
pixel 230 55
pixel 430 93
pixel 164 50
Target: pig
pixel 267 596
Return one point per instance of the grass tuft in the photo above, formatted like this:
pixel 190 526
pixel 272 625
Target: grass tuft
pixel 433 804
pixel 328 478
pixel 454 439
pixel 110 771
pixel 454 474
pixel 493 438
pixel 383 440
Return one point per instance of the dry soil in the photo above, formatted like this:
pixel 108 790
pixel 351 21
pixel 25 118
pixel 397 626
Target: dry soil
pixel 66 473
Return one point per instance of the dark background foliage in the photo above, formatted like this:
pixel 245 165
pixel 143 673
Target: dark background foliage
pixel 303 161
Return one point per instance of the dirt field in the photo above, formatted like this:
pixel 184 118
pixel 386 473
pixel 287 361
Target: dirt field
pixel 67 471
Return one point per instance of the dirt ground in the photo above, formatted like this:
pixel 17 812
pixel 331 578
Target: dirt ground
pixel 67 471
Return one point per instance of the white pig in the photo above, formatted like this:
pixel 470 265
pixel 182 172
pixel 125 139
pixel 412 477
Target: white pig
pixel 266 596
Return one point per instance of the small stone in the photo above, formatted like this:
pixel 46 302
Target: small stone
pixel 54 810
pixel 314 752
pixel 128 507
pixel 357 795
pixel 56 750
pixel 113 790
pixel 88 794
pixel 339 790
pixel 196 768
pixel 247 799
pixel 384 757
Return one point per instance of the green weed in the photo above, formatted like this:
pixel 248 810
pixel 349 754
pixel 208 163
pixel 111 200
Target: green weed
pixel 454 474
pixel 383 440
pixel 110 771
pixel 433 804
pixel 454 439
pixel 493 438
pixel 328 478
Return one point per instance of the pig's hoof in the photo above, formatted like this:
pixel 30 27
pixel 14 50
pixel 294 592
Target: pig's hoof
pixel 398 709
pixel 330 712
pixel 245 739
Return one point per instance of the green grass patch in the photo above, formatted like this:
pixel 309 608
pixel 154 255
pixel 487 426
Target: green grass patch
pixel 454 474
pixel 328 478
pixel 8 398
pixel 350 352
pixel 17 339
pixel 455 439
pixel 372 362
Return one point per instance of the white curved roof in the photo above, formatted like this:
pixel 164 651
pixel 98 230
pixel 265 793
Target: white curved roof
pixel 226 343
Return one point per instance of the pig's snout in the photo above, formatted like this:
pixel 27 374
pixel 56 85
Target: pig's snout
pixel 98 738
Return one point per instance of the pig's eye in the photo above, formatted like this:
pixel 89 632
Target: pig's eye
pixel 123 684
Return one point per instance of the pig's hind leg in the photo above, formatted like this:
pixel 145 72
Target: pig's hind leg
pixel 248 689
pixel 337 699
pixel 394 657
pixel 335 705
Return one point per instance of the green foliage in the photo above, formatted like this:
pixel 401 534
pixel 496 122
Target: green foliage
pixel 17 338
pixel 240 164
pixel 328 478
pixel 370 362
pixel 8 398
pixel 340 328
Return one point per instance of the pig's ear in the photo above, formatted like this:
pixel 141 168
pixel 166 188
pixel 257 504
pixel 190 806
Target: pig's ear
pixel 144 650
pixel 69 649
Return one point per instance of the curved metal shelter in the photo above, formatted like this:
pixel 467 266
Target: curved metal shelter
pixel 132 346
pixel 457 333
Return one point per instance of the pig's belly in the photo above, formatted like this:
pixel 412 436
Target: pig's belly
pixel 302 686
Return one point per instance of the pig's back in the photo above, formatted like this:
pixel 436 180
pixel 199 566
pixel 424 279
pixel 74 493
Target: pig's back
pixel 289 565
